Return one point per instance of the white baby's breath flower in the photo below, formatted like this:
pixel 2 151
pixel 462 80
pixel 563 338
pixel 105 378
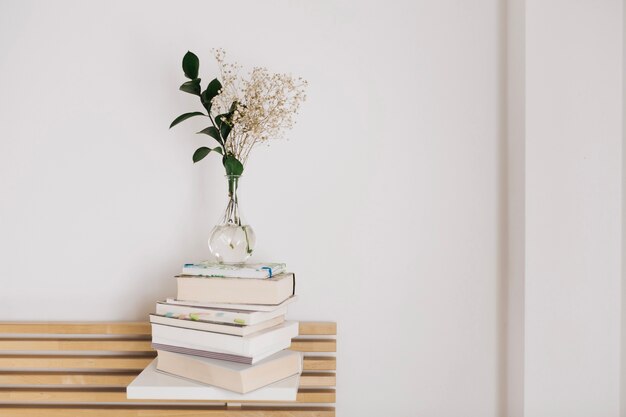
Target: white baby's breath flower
pixel 266 105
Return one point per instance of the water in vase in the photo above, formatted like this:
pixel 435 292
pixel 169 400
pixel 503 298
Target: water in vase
pixel 232 241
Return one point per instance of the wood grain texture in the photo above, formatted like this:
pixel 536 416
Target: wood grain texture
pixel 121 328
pixel 115 345
pixel 118 395
pixel 127 328
pixel 318 379
pixel 75 362
pixel 122 378
pixel 131 345
pixel 163 411
pixel 68 378
pixel 311 363
pixel 315 328
pixel 60 370
pixel 320 363
pixel 313 345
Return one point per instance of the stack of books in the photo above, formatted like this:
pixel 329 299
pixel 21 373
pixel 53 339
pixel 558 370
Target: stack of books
pixel 227 328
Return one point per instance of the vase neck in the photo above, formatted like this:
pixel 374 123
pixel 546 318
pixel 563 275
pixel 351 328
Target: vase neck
pixel 233 184
pixel 232 215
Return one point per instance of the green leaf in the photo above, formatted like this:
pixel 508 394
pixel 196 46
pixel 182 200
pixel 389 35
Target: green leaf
pixel 185 116
pixel 212 131
pixel 211 91
pixel 191 64
pixel 191 87
pixel 223 124
pixel 232 165
pixel 225 130
pixel 213 88
pixel 200 153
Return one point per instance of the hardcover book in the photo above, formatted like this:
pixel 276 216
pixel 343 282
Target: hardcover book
pixel 217 342
pixel 213 269
pixel 232 329
pixel 241 317
pixel 273 290
pixel 221 355
pixel 233 306
pixel 151 384
pixel 233 376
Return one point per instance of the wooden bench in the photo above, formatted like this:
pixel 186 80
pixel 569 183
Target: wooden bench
pixel 82 369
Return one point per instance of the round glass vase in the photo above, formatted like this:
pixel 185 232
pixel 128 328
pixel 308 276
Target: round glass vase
pixel 232 240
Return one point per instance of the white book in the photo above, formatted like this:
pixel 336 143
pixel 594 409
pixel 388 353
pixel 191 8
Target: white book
pixel 231 306
pixel 221 355
pixel 274 290
pixel 192 312
pixel 214 269
pixel 234 329
pixel 154 385
pixel 238 377
pixel 235 345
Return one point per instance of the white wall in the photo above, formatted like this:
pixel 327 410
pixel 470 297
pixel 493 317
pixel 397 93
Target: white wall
pixel 573 207
pixel 385 201
pixel 450 196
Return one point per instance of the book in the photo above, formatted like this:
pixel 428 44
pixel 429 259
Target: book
pixel 233 306
pixel 214 269
pixel 242 317
pixel 226 343
pixel 273 290
pixel 233 329
pixel 232 376
pixel 152 384
pixel 221 355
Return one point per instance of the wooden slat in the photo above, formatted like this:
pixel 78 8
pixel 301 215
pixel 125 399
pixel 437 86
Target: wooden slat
pixel 111 379
pixel 132 345
pixel 318 379
pixel 116 345
pixel 163 411
pixel 316 396
pixel 314 345
pixel 314 328
pixel 127 328
pixel 120 328
pixel 89 378
pixel 122 379
pixel 311 363
pixel 118 395
pixel 320 363
pixel 74 362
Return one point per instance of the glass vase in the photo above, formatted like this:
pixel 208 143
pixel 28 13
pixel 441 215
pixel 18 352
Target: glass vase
pixel 232 240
